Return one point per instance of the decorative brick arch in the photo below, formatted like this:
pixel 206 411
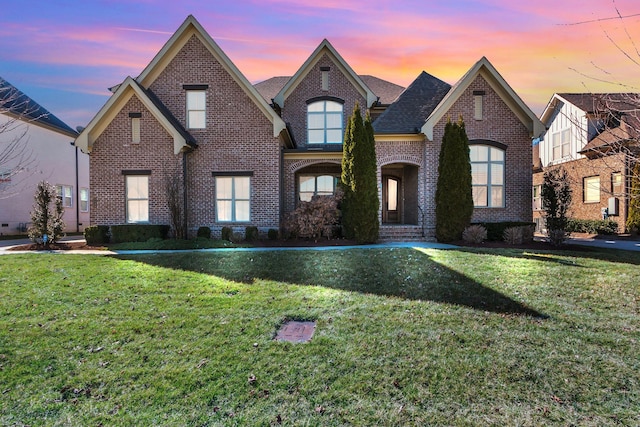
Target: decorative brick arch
pixel 400 158
pixel 296 166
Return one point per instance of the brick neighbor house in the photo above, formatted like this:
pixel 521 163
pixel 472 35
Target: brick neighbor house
pixel 594 138
pixel 249 153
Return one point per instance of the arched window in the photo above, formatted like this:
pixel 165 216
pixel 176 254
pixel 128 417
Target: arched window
pixel 316 185
pixel 324 122
pixel 487 173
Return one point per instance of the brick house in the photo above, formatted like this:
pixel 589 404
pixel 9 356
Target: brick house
pixel 592 136
pixel 249 153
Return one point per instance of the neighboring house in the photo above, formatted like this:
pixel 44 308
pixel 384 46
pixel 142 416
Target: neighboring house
pixel 37 146
pixel 592 136
pixel 248 154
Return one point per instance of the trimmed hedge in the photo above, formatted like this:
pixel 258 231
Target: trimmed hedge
pixel 593 226
pixel 272 234
pixel 204 232
pixel 227 234
pixel 96 234
pixel 251 233
pixel 138 232
pixel 495 230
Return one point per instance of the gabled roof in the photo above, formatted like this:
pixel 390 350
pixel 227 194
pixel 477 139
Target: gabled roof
pixel 15 103
pixel 191 27
pixel 410 111
pixel 269 88
pixel 325 48
pixel 126 90
pixel 593 103
pixel 485 69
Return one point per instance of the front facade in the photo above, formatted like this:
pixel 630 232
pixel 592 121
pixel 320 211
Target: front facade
pixel 247 155
pixel 37 146
pixel 592 137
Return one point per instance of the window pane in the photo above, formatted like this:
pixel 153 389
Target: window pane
pixel 316 121
pixel 592 189
pixel 197 120
pixel 307 183
pixel 479 173
pixel 497 155
pixel 392 194
pixel 306 196
pixel 334 136
pixel 316 106
pixel 196 100
pixel 137 187
pixel 224 188
pixel 316 136
pixel 325 184
pixel 224 210
pixel 497 196
pixel 479 196
pixel 137 211
pixel 334 106
pixel 334 121
pixel 497 173
pixel 478 153
pixel 242 190
pixel 242 210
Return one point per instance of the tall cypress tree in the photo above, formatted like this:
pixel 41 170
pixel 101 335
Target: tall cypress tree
pixel 454 200
pixel 633 217
pixel 359 180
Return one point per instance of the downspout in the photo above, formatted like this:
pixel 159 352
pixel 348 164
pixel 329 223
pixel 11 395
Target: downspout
pixel 77 192
pixel 281 187
pixel 184 194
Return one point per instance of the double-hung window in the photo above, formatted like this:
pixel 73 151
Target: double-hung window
pixel 137 193
pixel 65 192
pixel 324 122
pixel 591 189
pixel 196 109
pixel 84 200
pixel 561 144
pixel 487 176
pixel 233 198
pixel 537 197
pixel 316 185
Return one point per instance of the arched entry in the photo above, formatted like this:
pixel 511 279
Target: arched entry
pixel 399 194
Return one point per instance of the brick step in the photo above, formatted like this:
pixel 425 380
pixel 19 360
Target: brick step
pixel 401 233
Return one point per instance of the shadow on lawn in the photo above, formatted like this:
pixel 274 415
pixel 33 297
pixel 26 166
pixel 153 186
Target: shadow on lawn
pixel 402 273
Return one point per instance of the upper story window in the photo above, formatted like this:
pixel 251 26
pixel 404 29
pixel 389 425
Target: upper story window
pixel 478 101
pixel 487 176
pixel 324 122
pixel 135 127
pixel 196 109
pixel 537 197
pixel 561 144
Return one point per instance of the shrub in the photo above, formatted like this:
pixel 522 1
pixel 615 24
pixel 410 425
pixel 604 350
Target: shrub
pixel 474 234
pixel 96 234
pixel 495 230
pixel 236 237
pixel 512 235
pixel 204 232
pixel 251 233
pixel 318 218
pixel 227 234
pixel 593 226
pixel 138 232
pixel 556 199
pixel 46 215
pixel 633 216
pixel 272 234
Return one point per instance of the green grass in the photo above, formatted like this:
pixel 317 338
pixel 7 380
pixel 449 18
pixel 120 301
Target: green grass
pixel 403 337
pixel 173 244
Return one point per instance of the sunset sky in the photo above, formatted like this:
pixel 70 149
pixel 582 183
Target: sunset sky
pixel 65 54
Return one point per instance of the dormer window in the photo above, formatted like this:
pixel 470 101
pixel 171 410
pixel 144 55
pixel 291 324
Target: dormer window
pixel 324 122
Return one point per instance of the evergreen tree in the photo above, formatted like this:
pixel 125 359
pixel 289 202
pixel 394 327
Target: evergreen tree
pixel 556 198
pixel 454 200
pixel 360 204
pixel 633 217
pixel 46 215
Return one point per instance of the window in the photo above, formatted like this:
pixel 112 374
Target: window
pixel 537 197
pixel 84 200
pixel 325 77
pixel 196 109
pixel 591 189
pixel 561 144
pixel 135 130
pixel 324 122
pixel 616 183
pixel 233 198
pixel 65 192
pixel 478 97
pixel 312 185
pixel 137 192
pixel 487 176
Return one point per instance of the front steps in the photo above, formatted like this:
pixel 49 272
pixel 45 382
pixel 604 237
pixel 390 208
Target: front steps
pixel 401 233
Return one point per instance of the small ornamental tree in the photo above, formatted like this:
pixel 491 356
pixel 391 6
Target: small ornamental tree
pixel 359 180
pixel 454 200
pixel 633 217
pixel 556 198
pixel 46 215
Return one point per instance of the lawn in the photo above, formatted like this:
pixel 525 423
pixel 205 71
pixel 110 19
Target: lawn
pixel 403 337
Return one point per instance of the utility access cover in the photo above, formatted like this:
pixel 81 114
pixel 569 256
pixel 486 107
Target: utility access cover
pixel 296 331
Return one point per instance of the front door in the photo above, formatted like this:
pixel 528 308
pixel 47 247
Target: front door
pixel 391 199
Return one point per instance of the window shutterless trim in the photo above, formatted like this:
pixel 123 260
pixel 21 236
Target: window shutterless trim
pixel 325 98
pixel 478 92
pixel 195 87
pixel 136 172
pixel 225 173
pixel 135 115
pixel 489 142
pixel 325 68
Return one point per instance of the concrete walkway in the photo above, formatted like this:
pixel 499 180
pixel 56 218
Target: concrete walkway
pixel 613 243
